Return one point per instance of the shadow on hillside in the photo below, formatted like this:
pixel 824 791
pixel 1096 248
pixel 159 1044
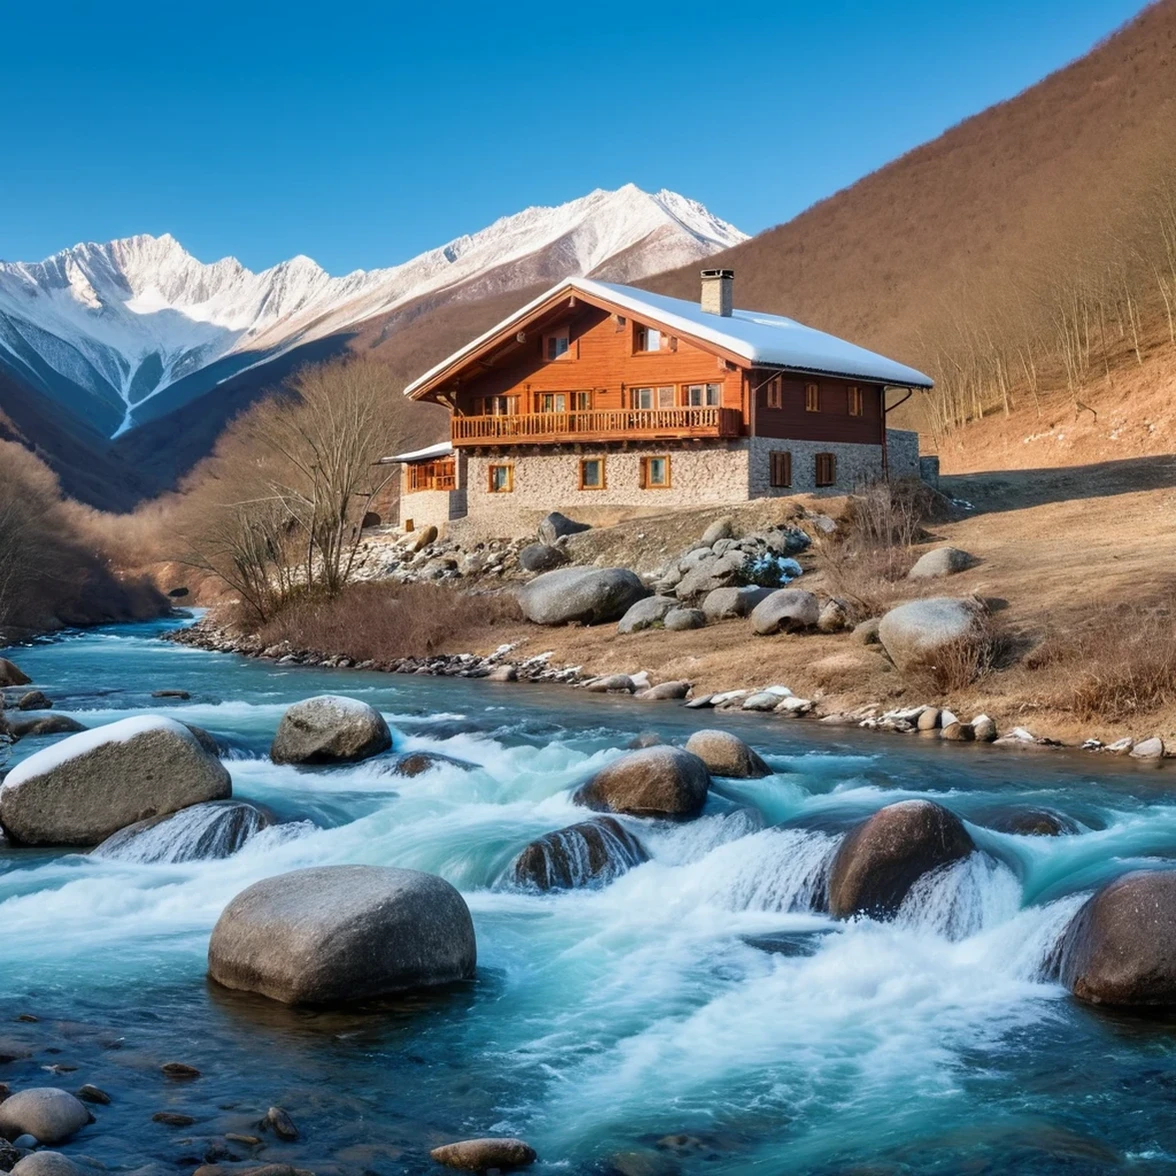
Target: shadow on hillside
pixel 1001 490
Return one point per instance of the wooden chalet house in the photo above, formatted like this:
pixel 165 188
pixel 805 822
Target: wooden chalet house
pixel 599 395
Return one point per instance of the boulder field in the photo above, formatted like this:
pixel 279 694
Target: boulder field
pixel 89 785
pixel 652 782
pixel 329 729
pixel 332 934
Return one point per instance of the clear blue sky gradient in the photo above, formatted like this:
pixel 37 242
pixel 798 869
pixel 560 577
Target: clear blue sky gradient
pixel 363 134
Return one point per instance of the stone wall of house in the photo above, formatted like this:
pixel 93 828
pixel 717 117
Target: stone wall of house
pixel 699 475
pixel 902 449
pixel 857 465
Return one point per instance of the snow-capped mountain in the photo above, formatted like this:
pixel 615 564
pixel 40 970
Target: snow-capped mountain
pixel 127 331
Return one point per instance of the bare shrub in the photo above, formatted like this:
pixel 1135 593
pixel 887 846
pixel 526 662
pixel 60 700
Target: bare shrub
pixel 1118 665
pixel 381 621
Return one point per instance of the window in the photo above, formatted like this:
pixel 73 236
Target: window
pixel 556 346
pixel 855 400
pixel 432 475
pixel 698 395
pixel 497 406
pixel 582 401
pixel 647 339
pixel 553 402
pixel 501 478
pixel 655 473
pixel 641 397
pixel 812 398
pixel 776 392
pixel 826 469
pixel 592 473
pixel 663 397
pixel 780 467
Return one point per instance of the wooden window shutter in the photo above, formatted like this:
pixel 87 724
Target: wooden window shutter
pixel 780 468
pixel 826 469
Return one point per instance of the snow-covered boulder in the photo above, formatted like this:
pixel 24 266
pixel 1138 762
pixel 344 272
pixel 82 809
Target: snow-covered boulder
pixel 329 729
pixel 89 785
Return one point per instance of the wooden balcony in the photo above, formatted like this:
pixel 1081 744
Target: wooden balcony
pixel 622 424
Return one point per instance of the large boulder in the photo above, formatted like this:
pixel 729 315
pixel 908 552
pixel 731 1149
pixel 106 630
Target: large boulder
pixel 30 726
pixel 727 755
pixel 556 526
pixel 86 787
pixel 46 1163
pixel 590 596
pixel 645 614
pixel 11 675
pixel 343 933
pixel 485 1155
pixel 678 620
pixel 720 572
pixel 942 561
pixel 787 610
pixel 723 528
pixel 587 854
pixel 329 729
pixel 921 631
pixel 199 833
pixel 48 1114
pixel 724 604
pixel 651 782
pixel 541 557
pixel 880 859
pixel 1120 948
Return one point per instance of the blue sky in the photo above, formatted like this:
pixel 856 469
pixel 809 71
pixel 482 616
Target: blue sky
pixel 363 134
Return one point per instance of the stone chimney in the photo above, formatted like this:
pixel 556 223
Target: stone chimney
pixel 717 287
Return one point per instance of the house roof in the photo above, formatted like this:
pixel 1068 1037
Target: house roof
pixel 762 339
pixel 429 453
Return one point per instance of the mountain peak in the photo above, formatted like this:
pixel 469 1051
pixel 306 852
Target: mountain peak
pixel 111 327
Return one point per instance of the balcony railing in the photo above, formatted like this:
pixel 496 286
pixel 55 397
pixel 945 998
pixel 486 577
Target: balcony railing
pixel 607 425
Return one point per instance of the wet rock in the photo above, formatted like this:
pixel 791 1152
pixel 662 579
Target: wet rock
pixel 1148 749
pixel 681 619
pixel 414 763
pixel 787 610
pixel 587 854
pixel 503 674
pixel 788 943
pixel 664 691
pixel 9 1155
pixel 330 729
pixel 201 832
pixel 182 695
pixel 645 739
pixel 555 526
pixel 835 616
pixel 10 675
pixel 919 632
pixel 943 561
pixel 48 1114
pixel 172 1119
pixel 480 1155
pixel 880 859
pixel 983 729
pixel 541 557
pixel 88 786
pixel 652 782
pixel 1120 948
pixel 280 1123
pixel 343 933
pixel 928 719
pixel 243 1140
pixel 179 1071
pixel 723 528
pixel 1032 822
pixel 727 755
pixel 724 604
pixel 610 684
pixel 646 614
pixel 957 732
pixel 46 1163
pixel 93 1094
pixel 34 700
pixel 589 596
pixel 40 725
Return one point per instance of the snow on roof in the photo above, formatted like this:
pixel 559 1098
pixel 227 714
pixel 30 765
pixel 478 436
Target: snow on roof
pixel 441 449
pixel 84 742
pixel 764 339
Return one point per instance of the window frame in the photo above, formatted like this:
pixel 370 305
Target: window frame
pixel 647 482
pixel 812 398
pixel 641 333
pixel 635 396
pixel 703 403
pixel 854 400
pixel 510 481
pixel 603 483
pixel 775 393
pixel 487 405
pixel 553 337
pixel 780 469
pixel 826 462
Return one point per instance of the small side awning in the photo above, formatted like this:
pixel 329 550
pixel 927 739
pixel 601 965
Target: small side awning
pixel 432 453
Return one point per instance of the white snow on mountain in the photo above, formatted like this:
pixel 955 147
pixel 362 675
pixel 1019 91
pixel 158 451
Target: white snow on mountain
pixel 109 328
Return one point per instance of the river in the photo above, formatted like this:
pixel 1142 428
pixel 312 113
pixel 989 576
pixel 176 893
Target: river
pixel 640 1028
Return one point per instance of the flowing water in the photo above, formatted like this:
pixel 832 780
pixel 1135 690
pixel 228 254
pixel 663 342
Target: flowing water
pixel 692 1016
